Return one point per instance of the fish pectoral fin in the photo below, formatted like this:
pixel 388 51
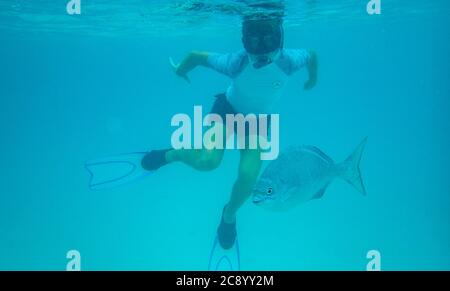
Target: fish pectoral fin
pixel 320 193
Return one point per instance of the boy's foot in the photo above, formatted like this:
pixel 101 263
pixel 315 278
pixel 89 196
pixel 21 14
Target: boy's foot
pixel 154 160
pixel 226 233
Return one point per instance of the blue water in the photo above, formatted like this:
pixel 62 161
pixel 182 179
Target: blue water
pixel 79 87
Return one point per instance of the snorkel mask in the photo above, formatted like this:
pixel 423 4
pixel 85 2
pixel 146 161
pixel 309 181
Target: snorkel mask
pixel 263 40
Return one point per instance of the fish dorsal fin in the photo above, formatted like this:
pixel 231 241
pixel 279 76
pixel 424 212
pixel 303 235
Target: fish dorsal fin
pixel 319 152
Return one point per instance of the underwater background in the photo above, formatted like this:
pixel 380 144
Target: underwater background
pixel 78 87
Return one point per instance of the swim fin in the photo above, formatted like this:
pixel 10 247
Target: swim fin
pixel 221 259
pixel 116 170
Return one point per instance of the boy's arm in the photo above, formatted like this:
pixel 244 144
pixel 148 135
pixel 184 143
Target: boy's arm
pixel 190 62
pixel 312 70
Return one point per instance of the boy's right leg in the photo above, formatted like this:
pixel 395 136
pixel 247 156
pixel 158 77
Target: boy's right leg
pixel 202 160
pixel 199 159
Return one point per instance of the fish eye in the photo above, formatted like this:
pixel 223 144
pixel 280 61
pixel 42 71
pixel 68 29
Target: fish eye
pixel 269 191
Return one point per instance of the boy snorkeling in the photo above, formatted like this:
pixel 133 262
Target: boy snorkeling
pixel 259 73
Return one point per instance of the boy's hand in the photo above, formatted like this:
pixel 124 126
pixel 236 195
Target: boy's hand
pixel 312 71
pixel 309 84
pixel 190 62
pixel 179 70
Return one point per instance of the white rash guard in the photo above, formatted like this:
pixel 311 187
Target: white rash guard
pixel 257 90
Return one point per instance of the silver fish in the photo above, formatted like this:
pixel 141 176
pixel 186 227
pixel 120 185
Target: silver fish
pixel 303 173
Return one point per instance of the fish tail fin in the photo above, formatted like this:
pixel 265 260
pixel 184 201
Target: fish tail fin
pixel 349 169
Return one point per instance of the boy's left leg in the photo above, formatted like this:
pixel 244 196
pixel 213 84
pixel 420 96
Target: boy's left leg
pixel 249 167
